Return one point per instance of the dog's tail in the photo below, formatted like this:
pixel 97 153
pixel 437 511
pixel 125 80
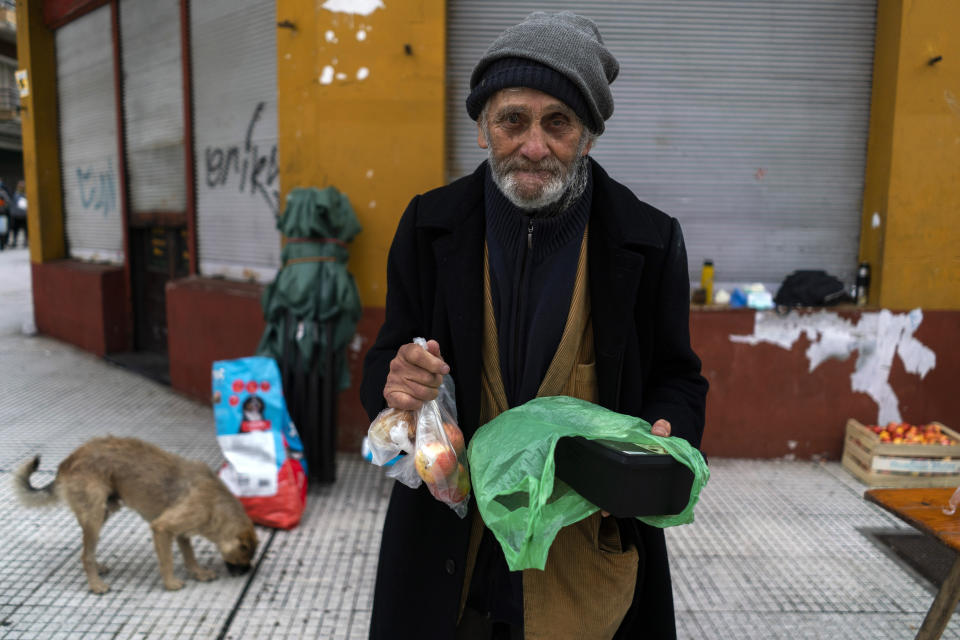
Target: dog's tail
pixel 29 495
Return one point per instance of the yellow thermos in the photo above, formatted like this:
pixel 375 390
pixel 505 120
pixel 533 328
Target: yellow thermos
pixel 706 281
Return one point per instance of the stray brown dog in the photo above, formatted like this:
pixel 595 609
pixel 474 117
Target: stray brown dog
pixel 178 497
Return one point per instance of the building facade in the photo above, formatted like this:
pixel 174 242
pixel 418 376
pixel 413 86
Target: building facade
pixel 161 137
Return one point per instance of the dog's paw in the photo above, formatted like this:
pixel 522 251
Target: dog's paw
pixel 204 575
pixel 173 584
pixel 99 586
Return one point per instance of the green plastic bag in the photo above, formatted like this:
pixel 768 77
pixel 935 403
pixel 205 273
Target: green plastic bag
pixel 512 470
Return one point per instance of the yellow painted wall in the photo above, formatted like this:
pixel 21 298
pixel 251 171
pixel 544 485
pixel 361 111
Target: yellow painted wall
pixel 913 169
pixel 41 153
pixel 361 108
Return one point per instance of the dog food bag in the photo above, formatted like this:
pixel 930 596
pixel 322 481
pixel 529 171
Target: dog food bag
pixel 430 445
pixel 264 466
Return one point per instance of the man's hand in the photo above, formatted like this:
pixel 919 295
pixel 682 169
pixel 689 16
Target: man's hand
pixel 659 428
pixel 415 376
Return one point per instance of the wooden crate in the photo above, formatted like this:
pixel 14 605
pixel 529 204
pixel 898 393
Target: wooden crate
pixel 884 464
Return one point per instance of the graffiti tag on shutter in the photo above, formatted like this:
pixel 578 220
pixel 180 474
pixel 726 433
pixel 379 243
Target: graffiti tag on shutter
pixel 98 189
pixel 255 169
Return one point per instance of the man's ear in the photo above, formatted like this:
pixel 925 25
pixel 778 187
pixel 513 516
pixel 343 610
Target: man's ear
pixel 481 139
pixel 587 148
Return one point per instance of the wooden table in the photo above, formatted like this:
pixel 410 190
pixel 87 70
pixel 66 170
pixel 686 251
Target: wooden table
pixel 923 509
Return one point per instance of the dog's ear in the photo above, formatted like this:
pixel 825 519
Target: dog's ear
pixel 241 549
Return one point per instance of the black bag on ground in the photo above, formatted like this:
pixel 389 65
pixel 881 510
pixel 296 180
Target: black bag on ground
pixel 814 288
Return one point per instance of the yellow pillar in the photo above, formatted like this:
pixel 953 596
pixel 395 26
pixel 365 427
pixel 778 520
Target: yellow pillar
pixel 360 95
pixel 911 207
pixel 41 154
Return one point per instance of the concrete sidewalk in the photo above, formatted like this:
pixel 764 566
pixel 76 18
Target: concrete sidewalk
pixel 779 549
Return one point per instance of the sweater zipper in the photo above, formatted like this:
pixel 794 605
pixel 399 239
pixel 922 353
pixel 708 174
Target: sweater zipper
pixel 518 317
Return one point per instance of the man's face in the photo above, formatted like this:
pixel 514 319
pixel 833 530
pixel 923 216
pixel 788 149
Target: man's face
pixel 534 142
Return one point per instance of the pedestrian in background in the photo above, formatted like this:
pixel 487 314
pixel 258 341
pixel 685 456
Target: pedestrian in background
pixel 5 221
pixel 18 215
pixel 499 271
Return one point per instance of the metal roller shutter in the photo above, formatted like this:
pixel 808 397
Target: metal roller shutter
pixel 234 63
pixel 153 104
pixel 747 121
pixel 88 138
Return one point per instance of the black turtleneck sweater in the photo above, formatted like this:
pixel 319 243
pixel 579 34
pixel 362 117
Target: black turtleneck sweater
pixel 533 264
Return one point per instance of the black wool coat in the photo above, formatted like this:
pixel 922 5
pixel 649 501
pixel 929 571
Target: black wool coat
pixel 639 291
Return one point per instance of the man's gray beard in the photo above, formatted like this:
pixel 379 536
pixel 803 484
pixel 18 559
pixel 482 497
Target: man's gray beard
pixel 557 195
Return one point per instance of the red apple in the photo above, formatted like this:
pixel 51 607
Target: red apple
pixel 434 461
pixel 463 483
pixel 455 436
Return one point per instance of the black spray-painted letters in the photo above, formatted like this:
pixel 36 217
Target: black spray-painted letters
pixel 256 171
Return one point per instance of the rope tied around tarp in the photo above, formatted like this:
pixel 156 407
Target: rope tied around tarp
pixel 317 241
pixel 309 259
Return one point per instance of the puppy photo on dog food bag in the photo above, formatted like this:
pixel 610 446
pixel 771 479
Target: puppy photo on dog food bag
pixel 253 420
pixel 180 498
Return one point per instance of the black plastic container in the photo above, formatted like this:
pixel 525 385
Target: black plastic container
pixel 625 479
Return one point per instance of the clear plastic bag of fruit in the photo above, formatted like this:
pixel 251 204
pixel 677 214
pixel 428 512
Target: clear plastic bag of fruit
pixel 392 435
pixel 393 431
pixel 434 445
pixel 440 458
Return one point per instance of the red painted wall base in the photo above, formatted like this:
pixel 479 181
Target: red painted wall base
pixel 207 320
pixel 764 400
pixel 82 304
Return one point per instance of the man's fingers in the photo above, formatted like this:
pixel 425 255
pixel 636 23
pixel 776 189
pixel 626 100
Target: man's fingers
pixel 416 356
pixel 660 428
pixel 422 392
pixel 433 348
pixel 415 376
pixel 401 400
pixel 401 392
pixel 405 372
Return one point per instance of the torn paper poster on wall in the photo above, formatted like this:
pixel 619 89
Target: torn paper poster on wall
pixel 876 337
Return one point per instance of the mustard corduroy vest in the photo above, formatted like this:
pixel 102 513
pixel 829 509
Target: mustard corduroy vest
pixel 587 586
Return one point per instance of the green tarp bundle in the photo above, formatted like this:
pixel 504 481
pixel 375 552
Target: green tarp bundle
pixel 313 287
pixel 512 472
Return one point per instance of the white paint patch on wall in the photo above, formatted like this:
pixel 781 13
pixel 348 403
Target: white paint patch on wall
pixel 353 7
pixel 326 76
pixel 877 337
pixel 361 35
pixel 330 36
pixel 951 102
pixel 362 73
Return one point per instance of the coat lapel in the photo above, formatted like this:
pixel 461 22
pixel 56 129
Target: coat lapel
pixel 614 277
pixel 458 251
pixel 619 233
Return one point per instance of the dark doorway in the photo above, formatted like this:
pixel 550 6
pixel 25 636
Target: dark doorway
pixel 158 254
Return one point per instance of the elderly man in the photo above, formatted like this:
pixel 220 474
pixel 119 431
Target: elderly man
pixel 536 275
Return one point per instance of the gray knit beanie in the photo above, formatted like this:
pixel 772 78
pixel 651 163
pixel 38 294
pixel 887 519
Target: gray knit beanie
pixel 570 48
